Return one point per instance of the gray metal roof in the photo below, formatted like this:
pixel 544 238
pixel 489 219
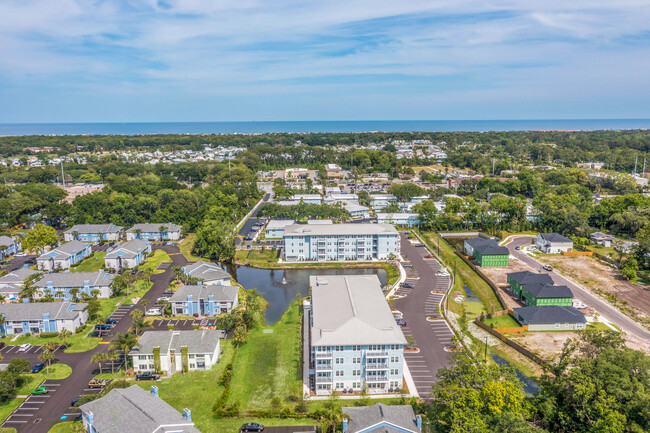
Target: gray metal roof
pixel 382 416
pixel 206 271
pixel 154 227
pixel 220 293
pixel 6 240
pixel 339 229
pixel 554 237
pixel 279 224
pixel 94 228
pixel 527 277
pixel 204 341
pixel 35 310
pixel 351 310
pixel 134 410
pixel 602 236
pixel 64 250
pixel 128 249
pixel 17 277
pixel 548 291
pixel 550 314
pixel 487 247
pixel 76 279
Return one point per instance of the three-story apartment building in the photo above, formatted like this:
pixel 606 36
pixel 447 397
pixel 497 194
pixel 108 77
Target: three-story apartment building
pixel 354 341
pixel 340 242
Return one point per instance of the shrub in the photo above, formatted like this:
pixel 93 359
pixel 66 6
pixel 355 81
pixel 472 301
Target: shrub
pixel 48 334
pixel 80 329
pixel 170 327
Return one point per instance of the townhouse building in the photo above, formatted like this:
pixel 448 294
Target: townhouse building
pixel 399 219
pixel 37 317
pixel 93 233
pixel 168 351
pixel 553 243
pixel 154 232
pixel 11 284
pixel 8 246
pixel 340 242
pixel 356 210
pixel 306 198
pixel 207 272
pixel 128 255
pixel 381 201
pixel 63 256
pixel 134 410
pixel 354 341
pixel 550 318
pixel 275 228
pixel 487 252
pixel 538 289
pixel 204 300
pixel 60 284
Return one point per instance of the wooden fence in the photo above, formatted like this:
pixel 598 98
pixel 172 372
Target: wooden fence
pixel 513 330
pixel 527 353
pixel 577 253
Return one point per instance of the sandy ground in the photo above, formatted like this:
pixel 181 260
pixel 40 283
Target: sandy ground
pixel 499 277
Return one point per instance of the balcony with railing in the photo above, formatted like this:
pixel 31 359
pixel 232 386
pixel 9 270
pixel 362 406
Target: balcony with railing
pixel 323 355
pixel 325 366
pixel 324 379
pixel 376 366
pixel 377 379
pixel 377 354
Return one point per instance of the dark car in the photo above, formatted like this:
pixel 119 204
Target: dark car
pixel 133 272
pixel 407 285
pixel 75 401
pixel 37 368
pixel 31 261
pixel 147 376
pixel 429 256
pixel 168 292
pixel 419 245
pixel 517 247
pixel 111 321
pixel 252 426
pixel 401 322
pixel 102 327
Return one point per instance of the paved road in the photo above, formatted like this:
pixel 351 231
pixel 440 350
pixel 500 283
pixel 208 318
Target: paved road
pixel 50 410
pixel 430 337
pixel 604 309
pixel 250 222
pixel 19 262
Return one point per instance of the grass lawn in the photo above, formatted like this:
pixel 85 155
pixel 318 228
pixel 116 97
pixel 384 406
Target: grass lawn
pixel 152 262
pixel 505 321
pixel 119 374
pixel 231 425
pixel 268 364
pixel 7 407
pixel 186 246
pixel 76 342
pixel 196 390
pixel 476 284
pixel 598 326
pixel 64 427
pixel 91 264
pixel 31 381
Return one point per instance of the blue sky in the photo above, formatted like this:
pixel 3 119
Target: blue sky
pixel 216 60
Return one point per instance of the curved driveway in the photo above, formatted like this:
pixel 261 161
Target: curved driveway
pixel 604 308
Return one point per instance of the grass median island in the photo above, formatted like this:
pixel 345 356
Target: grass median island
pixel 154 260
pixel 187 245
pixel 269 363
pixel 91 264
pixel 6 408
pixel 64 427
pixel 30 381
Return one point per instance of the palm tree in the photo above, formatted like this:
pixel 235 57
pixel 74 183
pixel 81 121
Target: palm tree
pixel 75 235
pixel 74 292
pixel 95 293
pixel 125 343
pixel 112 356
pixel 162 229
pixel 144 303
pixel 138 233
pixel 64 334
pixel 98 358
pixel 46 357
pixel 139 324
pixel 2 250
pixel 29 288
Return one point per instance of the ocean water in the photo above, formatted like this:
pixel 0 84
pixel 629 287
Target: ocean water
pixel 318 126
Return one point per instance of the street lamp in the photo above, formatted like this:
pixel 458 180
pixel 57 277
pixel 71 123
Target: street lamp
pixel 485 356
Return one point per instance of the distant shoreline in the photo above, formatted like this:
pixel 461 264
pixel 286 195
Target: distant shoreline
pixel 306 127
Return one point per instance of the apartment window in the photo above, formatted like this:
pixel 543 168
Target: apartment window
pixel 142 357
pixel 356 360
pixel 394 359
pixel 339 373
pixel 192 365
pixel 191 356
pixel 356 372
pixel 394 371
pixel 356 385
pixel 339 385
pixel 152 366
pixel 339 360
pixel 394 384
pixel 557 325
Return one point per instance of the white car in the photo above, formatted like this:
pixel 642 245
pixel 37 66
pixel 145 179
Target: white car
pixel 442 274
pixel 24 347
pixel 20 254
pixel 163 298
pixel 154 312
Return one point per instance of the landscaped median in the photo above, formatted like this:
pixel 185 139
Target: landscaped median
pixel 154 260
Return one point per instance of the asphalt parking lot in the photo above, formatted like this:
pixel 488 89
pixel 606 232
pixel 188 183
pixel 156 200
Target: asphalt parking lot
pixel 182 324
pixel 34 350
pixel 420 308
pixel 18 262
pixel 28 411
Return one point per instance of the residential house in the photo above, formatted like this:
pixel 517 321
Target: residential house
pixel 11 284
pixel 60 284
pixel 275 228
pixel 340 242
pixel 204 300
pixel 207 272
pixel 517 281
pixel 134 410
pixel 487 252
pixel 381 201
pixel 63 256
pixel 356 210
pixel 154 232
pixel 381 418
pixel 553 243
pixel 128 255
pixel 602 239
pixel 546 294
pixel 8 246
pixel 353 339
pixel 37 317
pixel 339 197
pixel 550 318
pixel 399 219
pixel 166 349
pixel 93 232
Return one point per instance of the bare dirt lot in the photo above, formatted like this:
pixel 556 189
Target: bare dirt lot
pixel 548 345
pixel 499 277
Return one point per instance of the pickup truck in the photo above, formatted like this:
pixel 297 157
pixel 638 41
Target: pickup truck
pixel 98 383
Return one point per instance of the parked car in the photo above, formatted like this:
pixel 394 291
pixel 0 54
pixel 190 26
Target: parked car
pixel 517 247
pixel 103 327
pixel 153 312
pixel 24 347
pixel 75 401
pixel 401 322
pixel 38 367
pixel 98 383
pixel 41 390
pixel 147 376
pixel 168 292
pixel 419 245
pixel 163 298
pixel 442 273
pixel 407 285
pixel 133 272
pixel 252 426
pixel 547 268
pixel 111 321
pixel 31 261
pixel 429 256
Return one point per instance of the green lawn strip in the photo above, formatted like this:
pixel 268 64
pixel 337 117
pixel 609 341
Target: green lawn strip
pixel 8 430
pixel 152 262
pixel 599 326
pixel 30 381
pixel 76 342
pixel 7 407
pixel 505 321
pixel 141 287
pixel 268 364
pixel 119 374
pixel 523 364
pixel 91 264
pixel 63 427
pixel 476 284
pixel 196 390
pixel 186 246
pixel 232 425
pixel 320 404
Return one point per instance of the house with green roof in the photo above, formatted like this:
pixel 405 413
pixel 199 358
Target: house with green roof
pixel 487 252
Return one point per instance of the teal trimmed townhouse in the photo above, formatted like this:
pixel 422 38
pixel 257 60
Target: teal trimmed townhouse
pixel 8 246
pixel 36 317
pixel 154 232
pixel 203 300
pixel 487 252
pixel 63 256
pixel 93 233
pixel 59 284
